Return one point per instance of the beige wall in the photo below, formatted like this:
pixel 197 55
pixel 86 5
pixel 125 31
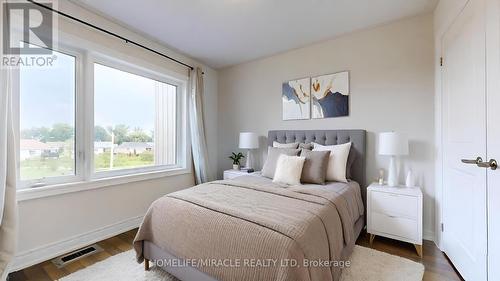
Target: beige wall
pixel 55 219
pixel 54 225
pixel 392 88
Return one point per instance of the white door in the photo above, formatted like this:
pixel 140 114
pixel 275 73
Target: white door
pixel 493 136
pixel 464 137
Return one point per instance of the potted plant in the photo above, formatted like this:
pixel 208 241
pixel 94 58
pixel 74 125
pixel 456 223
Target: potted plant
pixel 236 160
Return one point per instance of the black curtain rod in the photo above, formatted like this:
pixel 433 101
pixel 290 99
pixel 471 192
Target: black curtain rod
pixel 128 41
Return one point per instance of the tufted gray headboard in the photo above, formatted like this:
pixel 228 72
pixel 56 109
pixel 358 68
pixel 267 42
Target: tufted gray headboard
pixel 330 137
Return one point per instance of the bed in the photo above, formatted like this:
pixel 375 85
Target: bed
pixel 249 228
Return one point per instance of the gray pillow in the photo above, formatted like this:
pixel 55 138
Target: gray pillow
pixel 314 170
pixel 308 146
pixel 273 153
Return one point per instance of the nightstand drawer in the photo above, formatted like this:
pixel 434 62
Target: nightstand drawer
pixel 395 204
pixel 402 227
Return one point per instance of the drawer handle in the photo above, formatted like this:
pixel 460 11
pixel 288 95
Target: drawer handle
pixel 392 217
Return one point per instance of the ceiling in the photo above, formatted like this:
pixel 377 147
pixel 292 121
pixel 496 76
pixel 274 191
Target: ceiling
pixel 222 33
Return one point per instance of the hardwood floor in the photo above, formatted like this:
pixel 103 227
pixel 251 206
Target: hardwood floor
pixel 46 271
pixel 437 266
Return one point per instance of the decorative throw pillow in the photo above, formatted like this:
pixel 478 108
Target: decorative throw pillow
pixel 289 169
pixel 315 165
pixel 337 163
pixel 307 146
pixel 273 154
pixel 293 145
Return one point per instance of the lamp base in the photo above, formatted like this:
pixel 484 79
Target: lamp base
pixel 392 175
pixel 249 163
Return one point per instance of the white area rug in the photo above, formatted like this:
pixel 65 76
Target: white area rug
pixel 372 265
pixel 366 265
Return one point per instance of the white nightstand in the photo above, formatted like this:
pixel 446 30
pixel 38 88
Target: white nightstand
pixel 231 174
pixel 395 212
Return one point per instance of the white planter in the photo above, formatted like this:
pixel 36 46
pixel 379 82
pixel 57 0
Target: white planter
pixel 236 167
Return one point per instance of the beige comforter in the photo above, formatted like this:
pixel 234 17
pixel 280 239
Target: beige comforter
pixel 249 229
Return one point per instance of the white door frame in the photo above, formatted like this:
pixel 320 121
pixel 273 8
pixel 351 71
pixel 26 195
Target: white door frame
pixel 493 133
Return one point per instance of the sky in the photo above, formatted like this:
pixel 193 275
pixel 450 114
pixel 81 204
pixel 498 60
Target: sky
pixel 123 98
pixel 48 96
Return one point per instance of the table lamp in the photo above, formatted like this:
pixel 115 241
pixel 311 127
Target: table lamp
pixel 392 144
pixel 249 141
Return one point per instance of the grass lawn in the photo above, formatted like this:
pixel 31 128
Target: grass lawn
pixel 37 168
pixel 120 161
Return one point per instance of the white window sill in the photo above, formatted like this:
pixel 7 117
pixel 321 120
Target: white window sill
pixel 58 189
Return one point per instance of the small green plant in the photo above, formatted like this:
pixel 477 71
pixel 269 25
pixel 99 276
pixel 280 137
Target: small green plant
pixel 236 158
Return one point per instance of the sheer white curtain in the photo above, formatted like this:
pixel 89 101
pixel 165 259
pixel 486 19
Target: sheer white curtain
pixel 198 140
pixel 8 203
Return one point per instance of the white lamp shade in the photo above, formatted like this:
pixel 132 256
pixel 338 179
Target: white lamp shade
pixel 249 140
pixel 392 143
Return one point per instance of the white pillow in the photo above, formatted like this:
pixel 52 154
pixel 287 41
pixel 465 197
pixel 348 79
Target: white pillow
pixel 293 145
pixel 337 164
pixel 289 169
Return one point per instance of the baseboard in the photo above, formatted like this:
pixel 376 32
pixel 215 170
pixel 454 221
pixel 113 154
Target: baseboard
pixel 429 235
pixel 52 250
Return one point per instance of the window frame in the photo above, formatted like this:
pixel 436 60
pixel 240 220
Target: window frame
pixel 78 126
pixel 180 112
pixel 85 178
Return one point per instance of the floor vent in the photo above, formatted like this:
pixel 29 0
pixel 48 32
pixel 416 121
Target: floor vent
pixel 76 255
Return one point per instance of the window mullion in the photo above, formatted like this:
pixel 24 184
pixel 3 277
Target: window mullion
pixel 79 119
pixel 88 116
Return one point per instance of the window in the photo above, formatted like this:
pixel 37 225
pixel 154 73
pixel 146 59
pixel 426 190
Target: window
pixel 134 120
pixel 47 120
pixel 88 118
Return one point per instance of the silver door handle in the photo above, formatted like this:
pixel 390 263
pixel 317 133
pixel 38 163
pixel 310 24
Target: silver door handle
pixel 474 162
pixel 490 164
